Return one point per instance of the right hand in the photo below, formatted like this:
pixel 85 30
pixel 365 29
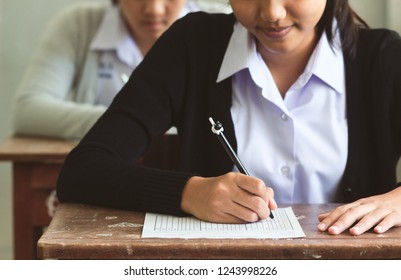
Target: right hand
pixel 230 198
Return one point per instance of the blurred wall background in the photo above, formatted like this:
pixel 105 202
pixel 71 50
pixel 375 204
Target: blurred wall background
pixel 21 24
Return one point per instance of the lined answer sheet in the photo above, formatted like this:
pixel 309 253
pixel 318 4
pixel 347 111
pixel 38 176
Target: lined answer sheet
pixel 284 225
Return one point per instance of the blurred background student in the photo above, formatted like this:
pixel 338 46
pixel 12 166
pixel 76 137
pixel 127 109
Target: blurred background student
pixel 85 57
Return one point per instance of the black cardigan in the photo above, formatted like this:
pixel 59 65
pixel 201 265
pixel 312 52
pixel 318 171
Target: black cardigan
pixel 176 86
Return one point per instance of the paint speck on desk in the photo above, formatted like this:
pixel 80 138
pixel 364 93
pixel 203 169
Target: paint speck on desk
pixel 316 256
pixel 124 224
pixel 312 254
pixel 104 234
pixel 130 251
pixel 110 217
pixel 301 217
pixel 94 217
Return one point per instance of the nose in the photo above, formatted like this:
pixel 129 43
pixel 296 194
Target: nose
pixel 272 10
pixel 154 7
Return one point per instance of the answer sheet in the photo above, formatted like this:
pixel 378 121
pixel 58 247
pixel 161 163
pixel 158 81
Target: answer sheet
pixel 284 225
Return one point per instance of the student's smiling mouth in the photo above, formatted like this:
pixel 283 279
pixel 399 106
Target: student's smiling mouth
pixel 276 33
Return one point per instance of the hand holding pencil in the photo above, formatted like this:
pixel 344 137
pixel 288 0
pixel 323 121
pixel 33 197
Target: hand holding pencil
pixel 217 128
pixel 231 198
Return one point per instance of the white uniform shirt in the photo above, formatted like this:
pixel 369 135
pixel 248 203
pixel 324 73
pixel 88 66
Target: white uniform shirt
pixel 120 54
pixel 298 145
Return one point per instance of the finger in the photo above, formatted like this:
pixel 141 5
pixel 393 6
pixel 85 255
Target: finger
pixel 231 213
pixel 253 185
pixel 335 221
pixel 245 214
pixel 328 219
pixel 368 221
pixel 323 216
pixel 256 188
pixel 350 216
pixel 253 203
pixel 388 222
pixel 271 202
pixel 228 219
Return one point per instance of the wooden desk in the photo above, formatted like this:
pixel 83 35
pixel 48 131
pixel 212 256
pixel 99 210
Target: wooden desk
pixel 87 232
pixel 36 163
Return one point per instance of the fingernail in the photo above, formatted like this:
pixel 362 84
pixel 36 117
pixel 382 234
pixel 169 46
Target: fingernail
pixel 321 226
pixel 333 230
pixel 379 229
pixel 356 230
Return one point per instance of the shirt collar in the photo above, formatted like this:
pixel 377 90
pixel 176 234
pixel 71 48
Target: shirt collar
pixel 237 54
pixel 113 35
pixel 190 6
pixel 326 62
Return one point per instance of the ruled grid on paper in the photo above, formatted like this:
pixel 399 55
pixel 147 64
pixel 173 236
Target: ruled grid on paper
pixel 284 225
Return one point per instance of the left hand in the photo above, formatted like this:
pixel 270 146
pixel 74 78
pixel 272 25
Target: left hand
pixel 381 212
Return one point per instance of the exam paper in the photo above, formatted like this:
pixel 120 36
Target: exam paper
pixel 284 225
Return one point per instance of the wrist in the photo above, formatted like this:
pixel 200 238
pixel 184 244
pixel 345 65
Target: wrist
pixel 189 193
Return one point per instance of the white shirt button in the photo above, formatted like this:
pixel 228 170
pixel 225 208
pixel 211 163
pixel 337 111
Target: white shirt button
pixel 285 170
pixel 284 117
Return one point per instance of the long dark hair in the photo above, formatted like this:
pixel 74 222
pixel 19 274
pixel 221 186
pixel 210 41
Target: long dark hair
pixel 348 23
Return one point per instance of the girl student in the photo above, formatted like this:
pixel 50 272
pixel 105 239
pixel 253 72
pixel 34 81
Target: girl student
pixel 310 100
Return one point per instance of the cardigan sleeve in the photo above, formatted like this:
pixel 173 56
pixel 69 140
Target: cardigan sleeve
pixel 44 104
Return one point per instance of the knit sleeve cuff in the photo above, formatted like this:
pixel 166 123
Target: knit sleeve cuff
pixel 158 191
